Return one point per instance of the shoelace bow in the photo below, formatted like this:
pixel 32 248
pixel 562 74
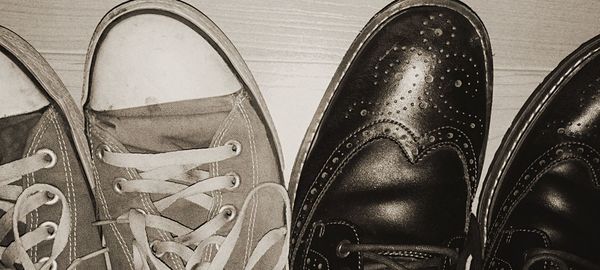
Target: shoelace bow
pixel 26 201
pixel 176 175
pixel 561 258
pixel 378 253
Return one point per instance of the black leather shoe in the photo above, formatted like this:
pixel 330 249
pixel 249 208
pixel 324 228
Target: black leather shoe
pixel 541 198
pixel 391 161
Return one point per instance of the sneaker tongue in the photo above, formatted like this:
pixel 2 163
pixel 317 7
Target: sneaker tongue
pixel 14 132
pixel 15 135
pixel 170 127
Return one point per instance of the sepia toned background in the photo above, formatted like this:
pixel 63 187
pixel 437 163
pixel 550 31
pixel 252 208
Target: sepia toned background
pixel 294 47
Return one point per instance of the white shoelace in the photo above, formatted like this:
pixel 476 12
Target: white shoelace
pixel 26 201
pixel 176 175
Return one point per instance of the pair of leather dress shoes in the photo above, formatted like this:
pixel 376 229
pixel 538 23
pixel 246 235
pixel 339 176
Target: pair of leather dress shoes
pixel 388 171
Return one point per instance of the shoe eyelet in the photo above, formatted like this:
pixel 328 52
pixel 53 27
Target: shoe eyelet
pixel 340 251
pixel 50 157
pixel 54 265
pixel 52 198
pixel 235 180
pixel 141 211
pixel 229 212
pixel 51 227
pixel 236 146
pixel 100 151
pixel 153 249
pixel 117 185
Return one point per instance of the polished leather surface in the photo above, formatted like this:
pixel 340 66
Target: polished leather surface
pixel 548 196
pixel 399 148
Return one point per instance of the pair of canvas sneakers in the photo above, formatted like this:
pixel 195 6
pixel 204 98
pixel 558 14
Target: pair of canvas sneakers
pixel 177 164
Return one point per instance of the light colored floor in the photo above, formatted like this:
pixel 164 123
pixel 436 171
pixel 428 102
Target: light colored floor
pixel 293 47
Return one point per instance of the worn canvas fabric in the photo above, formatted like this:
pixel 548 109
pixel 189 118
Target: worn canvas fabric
pixel 46 204
pixel 180 126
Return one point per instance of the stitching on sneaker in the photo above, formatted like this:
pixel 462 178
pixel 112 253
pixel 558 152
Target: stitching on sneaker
pixel 251 138
pixel 70 190
pixel 103 201
pixel 30 178
pixel 143 197
pixel 218 198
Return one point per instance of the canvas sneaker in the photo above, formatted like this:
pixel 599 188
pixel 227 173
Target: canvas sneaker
pixel 46 207
pixel 186 160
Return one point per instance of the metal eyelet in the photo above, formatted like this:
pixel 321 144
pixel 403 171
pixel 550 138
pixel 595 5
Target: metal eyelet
pixel 153 249
pixel 117 184
pixel 52 198
pixel 340 252
pixel 54 263
pixel 51 227
pixel 50 157
pixel 235 180
pixel 229 212
pixel 236 146
pixel 100 151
